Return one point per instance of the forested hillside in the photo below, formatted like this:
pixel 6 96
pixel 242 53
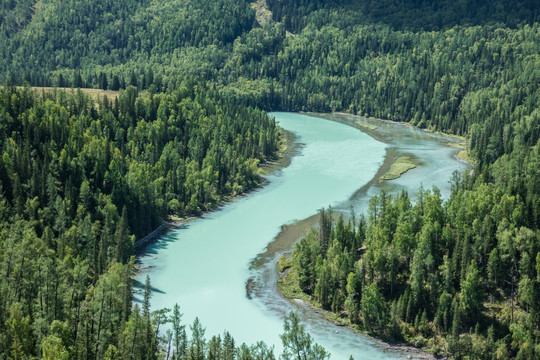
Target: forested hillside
pixel 458 277
pixel 79 179
pixel 411 15
pixel 111 44
pixel 473 76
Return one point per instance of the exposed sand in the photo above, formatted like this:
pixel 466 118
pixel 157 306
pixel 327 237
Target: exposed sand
pixel 290 233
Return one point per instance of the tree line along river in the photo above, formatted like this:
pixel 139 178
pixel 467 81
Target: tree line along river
pixel 204 265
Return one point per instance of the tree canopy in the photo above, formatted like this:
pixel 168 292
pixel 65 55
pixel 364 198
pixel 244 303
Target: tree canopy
pixel 81 179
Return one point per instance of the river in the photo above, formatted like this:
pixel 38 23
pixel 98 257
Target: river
pixel 204 265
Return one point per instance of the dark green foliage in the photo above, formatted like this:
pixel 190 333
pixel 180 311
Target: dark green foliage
pixel 80 181
pixel 15 16
pixel 413 15
pixel 309 250
pixel 412 288
pixel 76 36
pixel 477 76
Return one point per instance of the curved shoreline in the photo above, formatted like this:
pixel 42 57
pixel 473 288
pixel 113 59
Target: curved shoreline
pixel 406 349
pixel 289 148
pixel 289 234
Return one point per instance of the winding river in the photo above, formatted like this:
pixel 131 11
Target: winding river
pixel 205 265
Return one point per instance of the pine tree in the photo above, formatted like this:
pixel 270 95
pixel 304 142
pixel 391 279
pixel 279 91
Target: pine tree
pixel 297 343
pixel 179 334
pixel 197 348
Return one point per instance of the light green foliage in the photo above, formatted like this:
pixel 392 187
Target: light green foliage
pixel 297 343
pixel 472 294
pixel 373 308
pixel 404 283
pixel 308 250
pixel 53 349
pixel 398 168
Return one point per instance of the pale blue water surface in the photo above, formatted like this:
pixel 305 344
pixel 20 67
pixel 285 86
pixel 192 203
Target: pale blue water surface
pixel 204 265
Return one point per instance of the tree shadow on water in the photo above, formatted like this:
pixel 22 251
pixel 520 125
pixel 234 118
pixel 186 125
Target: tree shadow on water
pixel 138 291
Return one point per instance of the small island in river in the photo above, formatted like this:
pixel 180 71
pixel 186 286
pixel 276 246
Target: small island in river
pixel 398 168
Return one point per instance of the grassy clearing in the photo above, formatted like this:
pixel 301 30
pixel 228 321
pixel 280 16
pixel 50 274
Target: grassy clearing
pixel 92 93
pixel 462 139
pixel 459 145
pixel 284 263
pixel 288 282
pixel 464 155
pixel 399 167
pixel 262 12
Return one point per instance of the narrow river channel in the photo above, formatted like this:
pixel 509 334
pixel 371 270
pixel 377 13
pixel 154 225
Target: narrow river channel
pixel 204 265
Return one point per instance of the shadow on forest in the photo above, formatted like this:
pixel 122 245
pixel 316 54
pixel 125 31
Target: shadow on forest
pixel 415 15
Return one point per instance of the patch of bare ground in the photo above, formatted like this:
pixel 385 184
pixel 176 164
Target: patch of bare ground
pixel 94 94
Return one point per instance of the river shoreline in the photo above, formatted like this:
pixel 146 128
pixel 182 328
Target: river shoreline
pixel 283 243
pixel 364 124
pixel 290 233
pixel 289 148
pixel 406 349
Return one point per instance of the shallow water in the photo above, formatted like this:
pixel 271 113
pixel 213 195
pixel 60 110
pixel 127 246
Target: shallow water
pixel 204 265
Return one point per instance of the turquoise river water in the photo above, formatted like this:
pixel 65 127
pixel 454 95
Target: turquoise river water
pixel 204 265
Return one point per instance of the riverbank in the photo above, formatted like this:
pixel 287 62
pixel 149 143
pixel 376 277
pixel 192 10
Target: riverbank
pixel 289 288
pixel 396 157
pixel 291 233
pixel 371 124
pixel 288 149
pixel 206 266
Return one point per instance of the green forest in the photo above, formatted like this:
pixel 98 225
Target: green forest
pixel 82 179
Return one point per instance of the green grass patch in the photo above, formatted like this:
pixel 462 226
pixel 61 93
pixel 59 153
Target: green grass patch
pixel 94 94
pixel 454 136
pixel 457 145
pixel 399 167
pixel 262 13
pixel 465 156
pixel 174 217
pixel 288 284
pixel 284 263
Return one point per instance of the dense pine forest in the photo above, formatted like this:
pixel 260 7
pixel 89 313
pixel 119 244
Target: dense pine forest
pixel 81 179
